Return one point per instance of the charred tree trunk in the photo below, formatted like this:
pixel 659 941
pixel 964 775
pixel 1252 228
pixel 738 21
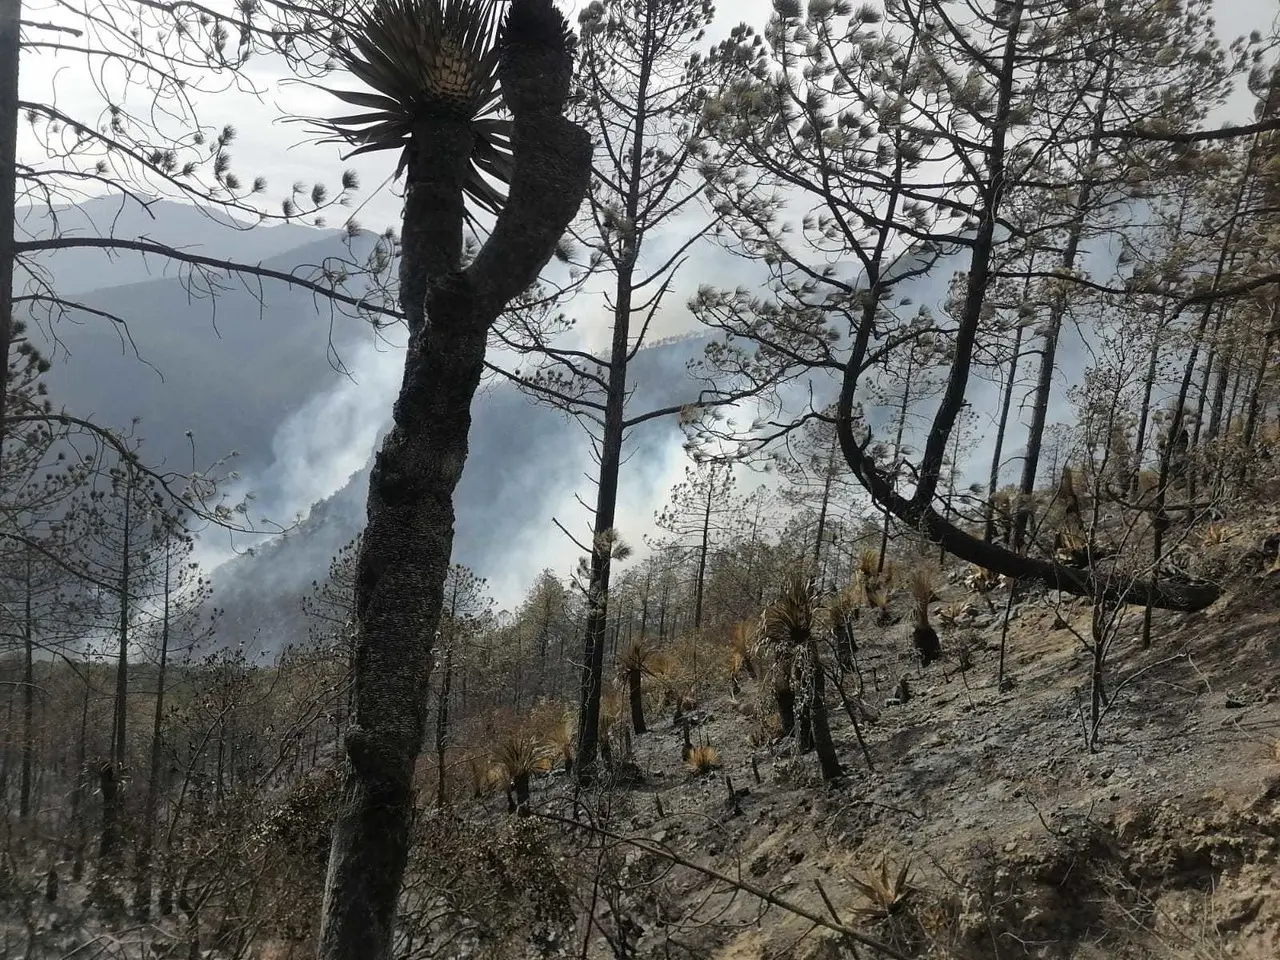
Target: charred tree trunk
pixel 897 452
pixel 703 547
pixel 822 742
pixel 520 787
pixel 10 48
pixel 77 831
pixel 442 727
pixel 637 700
pixel 785 696
pixel 146 842
pixel 925 640
pixel 406 548
pixel 28 698
pixel 109 788
pixel 1006 402
pixel 120 716
pixel 1254 403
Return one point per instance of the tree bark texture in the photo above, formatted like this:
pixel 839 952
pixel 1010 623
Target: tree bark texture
pixel 636 692
pixel 10 33
pixel 406 548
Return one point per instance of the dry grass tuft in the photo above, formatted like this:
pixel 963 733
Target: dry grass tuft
pixel 887 891
pixel 611 706
pixel 1216 534
pixel 703 760
pixel 952 613
pixel 868 564
pixel 640 655
pixel 921 587
pixel 766 729
pixel 742 642
pixel 844 605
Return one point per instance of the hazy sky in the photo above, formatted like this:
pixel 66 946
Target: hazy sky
pixel 281 151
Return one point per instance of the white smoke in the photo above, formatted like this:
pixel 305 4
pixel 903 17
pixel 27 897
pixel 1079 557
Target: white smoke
pixel 319 446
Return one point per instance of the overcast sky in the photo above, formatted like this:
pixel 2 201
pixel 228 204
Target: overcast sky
pixel 281 151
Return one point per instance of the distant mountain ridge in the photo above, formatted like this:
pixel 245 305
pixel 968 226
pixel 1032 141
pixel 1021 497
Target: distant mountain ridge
pixel 229 369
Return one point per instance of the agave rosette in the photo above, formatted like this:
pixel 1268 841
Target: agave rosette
pixel 427 58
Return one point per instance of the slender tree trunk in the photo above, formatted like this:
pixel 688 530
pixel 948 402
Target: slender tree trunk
pixel 637 700
pixel 1144 410
pixel 1159 517
pixel 442 726
pixel 119 725
pixel 109 788
pixel 1002 425
pixel 901 430
pixel 405 553
pixel 1217 407
pixel 146 841
pixel 601 554
pixel 703 547
pixel 10 50
pixel 77 829
pixel 611 439
pixel 1057 312
pixel 1254 404
pixel 822 742
pixel 28 697
pixel 822 509
pixel 111 770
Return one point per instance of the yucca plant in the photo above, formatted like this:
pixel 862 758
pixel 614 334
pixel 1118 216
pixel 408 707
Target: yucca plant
pixel 424 59
pixel 639 659
pixel 923 635
pixel 887 891
pixel 844 610
pixel 553 721
pixel 429 68
pixel 1216 534
pixel 519 754
pixel 789 628
pixel 791 620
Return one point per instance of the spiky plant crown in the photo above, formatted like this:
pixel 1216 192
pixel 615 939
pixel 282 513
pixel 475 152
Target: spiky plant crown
pixel 844 605
pixel 790 621
pixel 868 563
pixel 519 753
pixel 887 891
pixel 536 65
pixel 424 59
pixel 920 586
pixel 538 22
pixel 638 656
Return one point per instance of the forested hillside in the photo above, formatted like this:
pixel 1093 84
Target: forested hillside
pixel 796 480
